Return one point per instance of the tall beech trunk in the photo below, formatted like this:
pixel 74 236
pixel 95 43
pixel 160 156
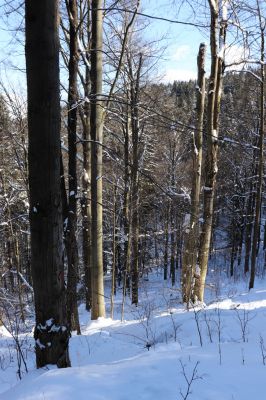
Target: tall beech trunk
pixel 51 331
pixel 256 231
pixel 189 275
pixel 71 242
pixel 96 123
pixel 213 110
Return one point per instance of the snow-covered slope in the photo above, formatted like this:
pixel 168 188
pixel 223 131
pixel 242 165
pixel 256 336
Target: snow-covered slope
pixel 153 353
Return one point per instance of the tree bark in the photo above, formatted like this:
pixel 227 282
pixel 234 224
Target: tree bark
pixel 173 243
pixel 211 168
pixel 85 37
pixel 114 246
pixel 190 276
pixel 96 122
pixel 86 206
pixel 250 215
pixel 71 242
pixel 256 231
pixel 126 197
pixel 166 241
pixel 135 182
pixel 51 331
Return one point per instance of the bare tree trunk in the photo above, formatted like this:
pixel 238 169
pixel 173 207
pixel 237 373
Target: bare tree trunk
pixel 135 183
pixel 250 216
pixel 96 122
pixel 71 242
pixel 114 244
pixel 166 241
pixel 10 238
pixel 84 112
pixel 156 251
pixel 126 208
pixel 256 230
pixel 189 275
pixel 233 253
pixel 86 205
pixel 173 244
pixel 213 110
pixel 42 62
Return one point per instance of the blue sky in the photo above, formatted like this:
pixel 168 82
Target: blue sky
pixel 180 58
pixel 178 61
pixel 11 51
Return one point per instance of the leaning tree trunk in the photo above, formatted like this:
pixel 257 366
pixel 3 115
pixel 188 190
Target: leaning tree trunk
pixel 189 275
pixel 213 110
pixel 96 122
pixel 71 242
pixel 51 331
pixel 256 231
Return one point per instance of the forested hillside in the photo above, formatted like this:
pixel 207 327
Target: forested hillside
pixel 127 197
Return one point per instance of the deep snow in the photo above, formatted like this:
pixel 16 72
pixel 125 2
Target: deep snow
pixel 154 351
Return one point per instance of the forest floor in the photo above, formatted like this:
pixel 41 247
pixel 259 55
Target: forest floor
pixel 160 351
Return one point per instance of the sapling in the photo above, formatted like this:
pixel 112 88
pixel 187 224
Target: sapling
pixel 207 320
pixel 189 379
pixel 145 313
pixel 262 350
pixel 218 323
pixel 13 327
pixel 176 327
pixel 12 319
pixel 242 356
pixel 243 319
pixel 197 320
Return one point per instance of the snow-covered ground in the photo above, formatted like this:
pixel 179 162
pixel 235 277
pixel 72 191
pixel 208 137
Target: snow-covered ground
pixel 161 351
